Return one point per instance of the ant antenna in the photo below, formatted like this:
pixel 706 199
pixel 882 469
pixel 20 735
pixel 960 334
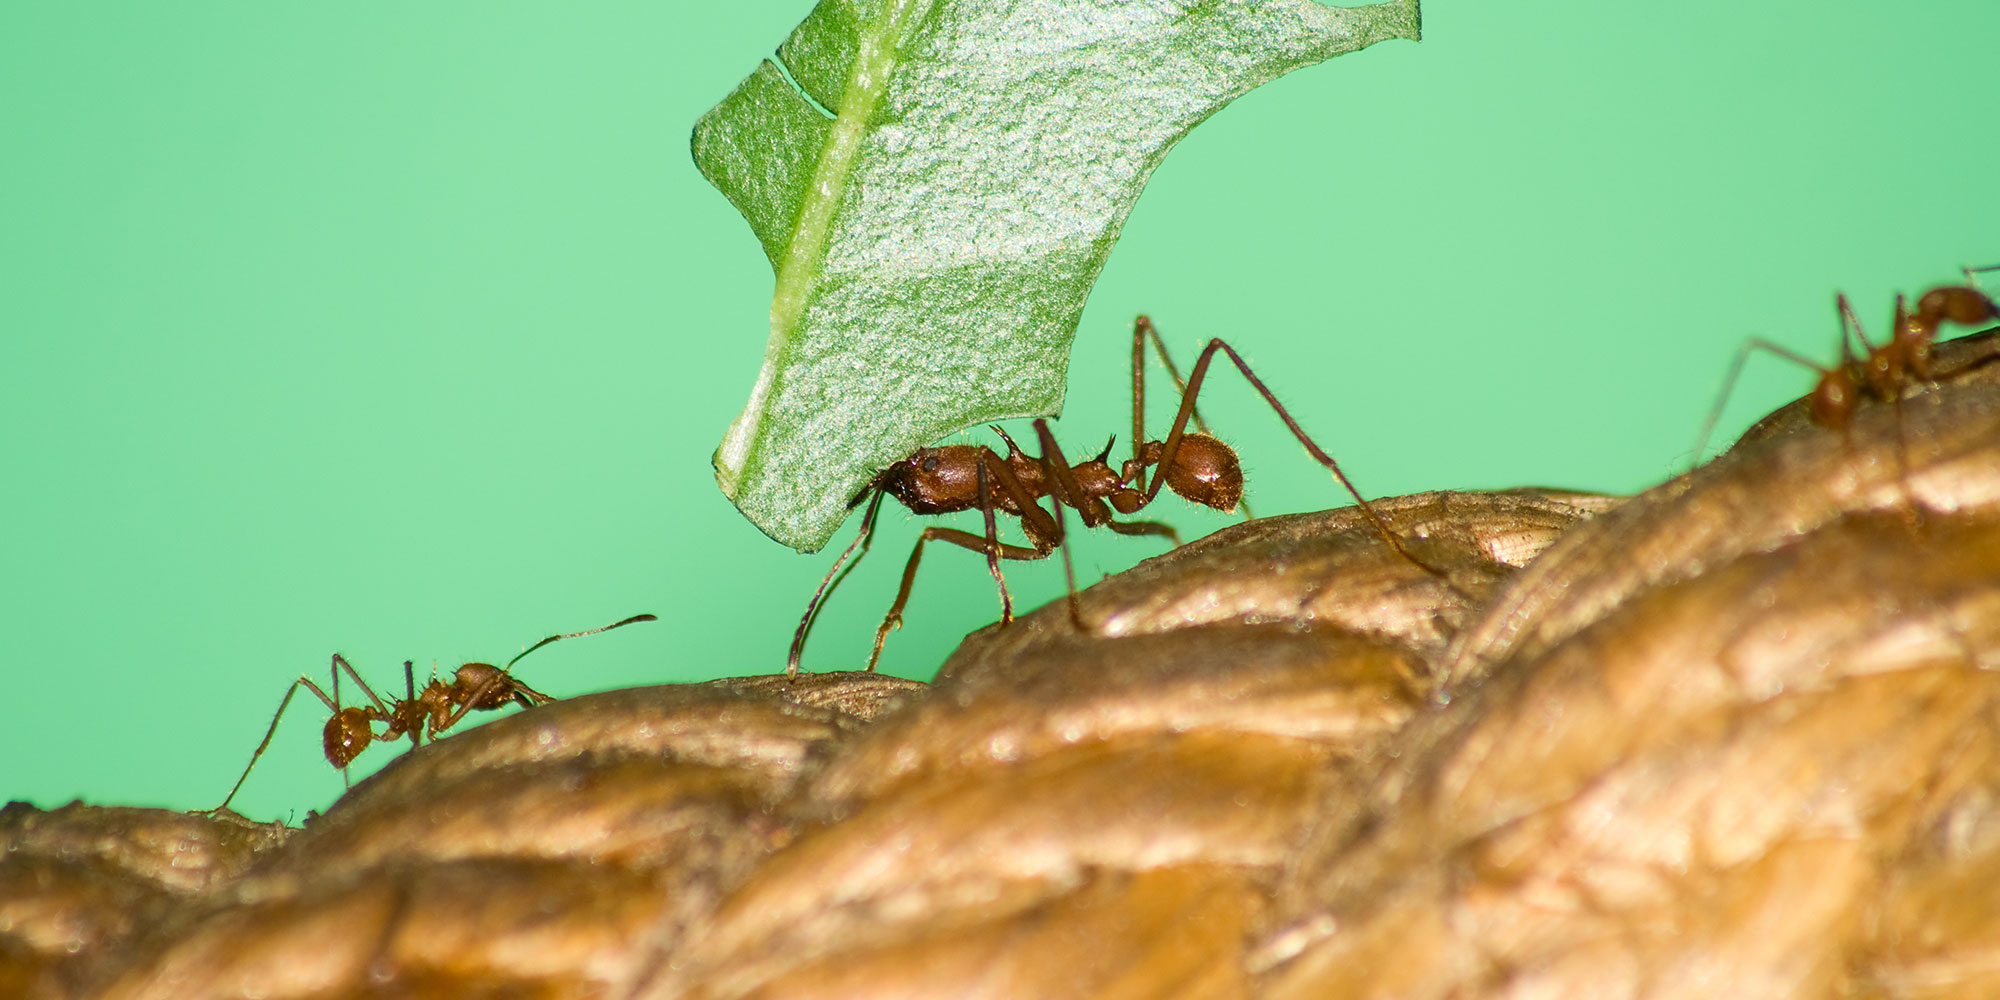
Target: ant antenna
pixel 575 635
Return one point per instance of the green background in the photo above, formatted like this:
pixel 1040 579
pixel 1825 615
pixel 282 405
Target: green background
pixel 407 330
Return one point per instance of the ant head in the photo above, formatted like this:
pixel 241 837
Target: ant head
pixel 346 735
pixel 1205 471
pixel 485 680
pixel 936 480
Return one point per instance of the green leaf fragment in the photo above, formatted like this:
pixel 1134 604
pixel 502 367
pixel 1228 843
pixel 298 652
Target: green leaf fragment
pixel 937 185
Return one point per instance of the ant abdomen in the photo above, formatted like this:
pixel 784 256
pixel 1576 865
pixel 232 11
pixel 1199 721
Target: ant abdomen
pixel 348 732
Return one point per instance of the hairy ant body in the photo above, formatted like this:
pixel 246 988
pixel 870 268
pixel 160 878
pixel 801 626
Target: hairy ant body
pixel 1880 373
pixel 941 480
pixel 438 707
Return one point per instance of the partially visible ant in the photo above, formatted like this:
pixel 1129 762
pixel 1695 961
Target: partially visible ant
pixel 438 707
pixel 950 478
pixel 1879 373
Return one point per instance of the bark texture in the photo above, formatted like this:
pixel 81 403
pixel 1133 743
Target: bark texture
pixel 1736 736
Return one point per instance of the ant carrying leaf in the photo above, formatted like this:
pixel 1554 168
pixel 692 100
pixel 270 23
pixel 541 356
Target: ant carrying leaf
pixel 1197 466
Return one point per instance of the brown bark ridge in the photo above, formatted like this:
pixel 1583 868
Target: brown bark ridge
pixel 1736 736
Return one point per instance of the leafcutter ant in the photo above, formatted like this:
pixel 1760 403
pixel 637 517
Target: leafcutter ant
pixel 1881 373
pixel 950 478
pixel 438 707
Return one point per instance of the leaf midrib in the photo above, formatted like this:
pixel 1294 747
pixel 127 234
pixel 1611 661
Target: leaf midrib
pixel 876 56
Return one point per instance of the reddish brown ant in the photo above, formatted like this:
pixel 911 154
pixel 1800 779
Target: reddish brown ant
pixel 950 478
pixel 438 707
pixel 1879 373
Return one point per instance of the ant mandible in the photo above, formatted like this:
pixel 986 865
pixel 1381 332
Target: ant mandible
pixel 950 478
pixel 1880 373
pixel 438 707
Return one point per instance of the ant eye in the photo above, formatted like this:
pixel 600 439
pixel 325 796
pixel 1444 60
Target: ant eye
pixel 930 463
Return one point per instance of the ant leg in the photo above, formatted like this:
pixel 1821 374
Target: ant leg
pixel 1187 409
pixel 1146 528
pixel 1850 326
pixel 410 687
pixel 1069 569
pixel 985 496
pixel 339 664
pixel 1143 330
pixel 1729 385
pixel 963 539
pixel 834 575
pixel 1068 492
pixel 272 730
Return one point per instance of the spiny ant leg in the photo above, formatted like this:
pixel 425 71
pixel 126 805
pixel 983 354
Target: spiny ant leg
pixel 1187 408
pixel 834 576
pixel 993 542
pixel 1056 467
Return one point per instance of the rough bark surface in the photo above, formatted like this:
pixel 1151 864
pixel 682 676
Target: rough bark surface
pixel 1736 736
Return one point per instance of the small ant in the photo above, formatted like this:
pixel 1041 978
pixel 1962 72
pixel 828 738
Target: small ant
pixel 950 478
pixel 438 707
pixel 1879 373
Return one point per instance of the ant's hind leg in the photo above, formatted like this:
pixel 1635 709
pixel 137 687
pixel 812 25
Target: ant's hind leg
pixel 272 730
pixel 1312 448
